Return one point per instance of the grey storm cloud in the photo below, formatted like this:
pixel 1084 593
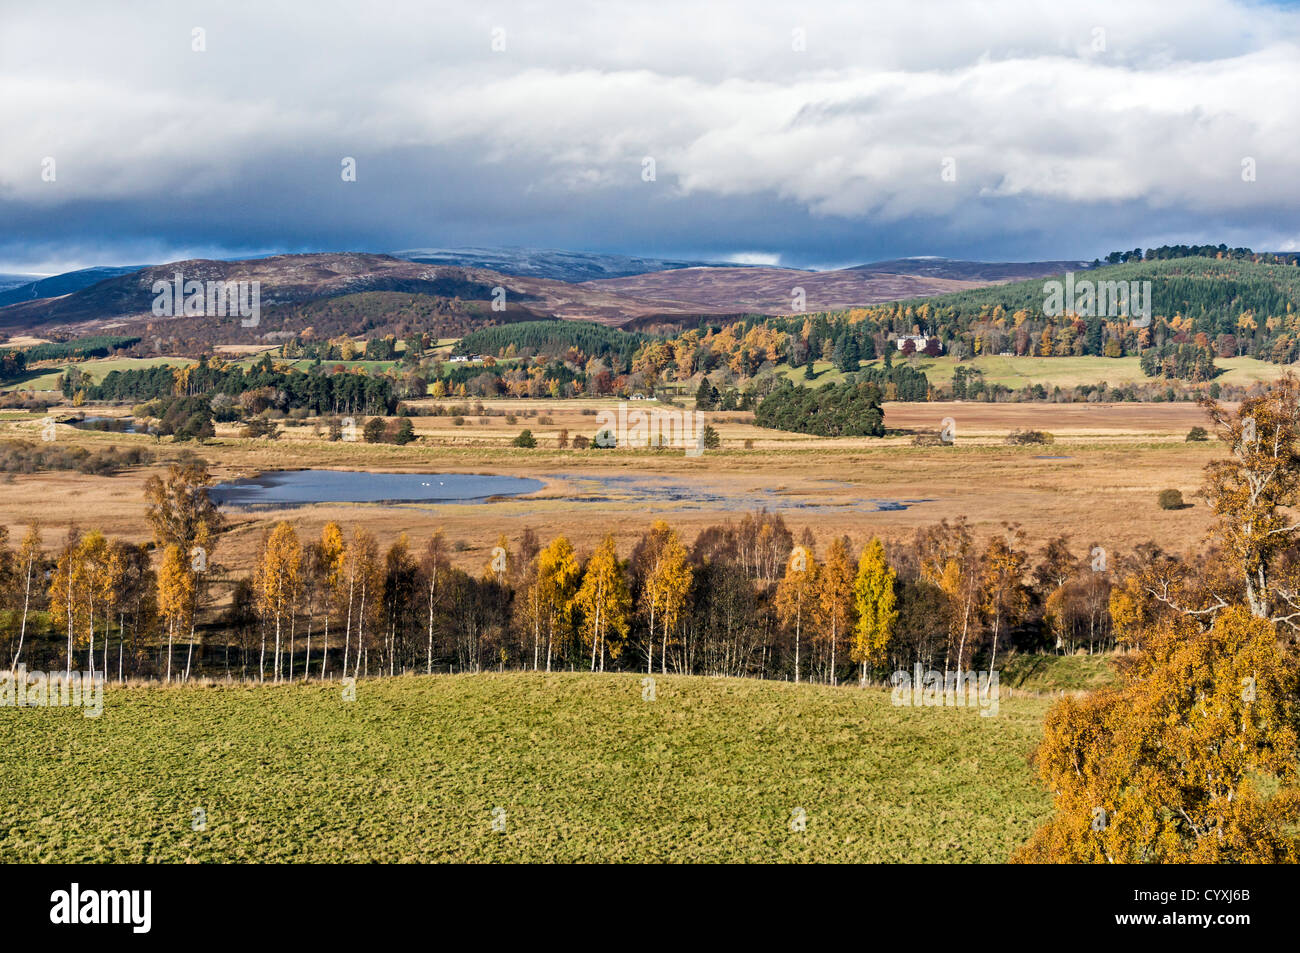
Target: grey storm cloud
pixel 815 135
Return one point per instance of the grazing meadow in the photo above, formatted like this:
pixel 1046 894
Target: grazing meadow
pixel 519 767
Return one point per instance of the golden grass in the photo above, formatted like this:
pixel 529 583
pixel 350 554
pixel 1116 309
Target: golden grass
pixel 1104 493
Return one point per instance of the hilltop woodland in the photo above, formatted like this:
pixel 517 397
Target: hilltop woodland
pixel 1207 302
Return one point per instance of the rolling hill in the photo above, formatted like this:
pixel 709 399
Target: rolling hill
pixel 452 283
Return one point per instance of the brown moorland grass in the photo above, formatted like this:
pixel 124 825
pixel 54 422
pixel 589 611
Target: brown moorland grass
pixel 1115 459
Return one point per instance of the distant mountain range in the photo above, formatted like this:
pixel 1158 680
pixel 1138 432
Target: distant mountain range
pixel 638 291
pixel 545 263
pixel 978 271
pixel 33 287
pixel 13 281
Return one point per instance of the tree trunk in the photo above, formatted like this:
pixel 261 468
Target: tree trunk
pixel 797 620
pixel 997 624
pixel 429 665
pixel 306 665
pixel 834 638
pixel 189 655
pixel 347 632
pixel 325 645
pixel 22 631
pixel 650 647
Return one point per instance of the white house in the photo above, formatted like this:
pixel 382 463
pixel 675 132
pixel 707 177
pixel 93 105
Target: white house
pixel 920 340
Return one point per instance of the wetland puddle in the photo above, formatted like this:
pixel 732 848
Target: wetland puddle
pixel 283 488
pixel 301 487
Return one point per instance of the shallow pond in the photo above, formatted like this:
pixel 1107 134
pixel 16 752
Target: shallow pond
pixel 298 487
pixel 108 424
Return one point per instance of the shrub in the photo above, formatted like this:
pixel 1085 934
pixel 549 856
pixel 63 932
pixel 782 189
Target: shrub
pixel 24 457
pixel 525 439
pixel 1171 500
pixel 711 439
pixel 580 442
pixel 1020 438
pixel 375 430
pixel 258 427
pixel 1197 433
pixel 405 433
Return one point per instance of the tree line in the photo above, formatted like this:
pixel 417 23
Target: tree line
pixel 741 599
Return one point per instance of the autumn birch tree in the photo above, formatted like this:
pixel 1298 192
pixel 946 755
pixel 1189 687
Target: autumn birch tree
pixel 435 568
pixel 277 581
pixel 175 596
pixel 557 582
pixel 875 602
pixel 604 602
pixel 796 594
pixel 834 606
pixel 30 556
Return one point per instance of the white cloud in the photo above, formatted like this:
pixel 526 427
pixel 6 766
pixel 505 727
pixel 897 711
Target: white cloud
pixel 754 258
pixel 855 127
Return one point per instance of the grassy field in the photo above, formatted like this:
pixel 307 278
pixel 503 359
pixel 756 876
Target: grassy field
pixel 1042 673
pixel 583 768
pixel 97 369
pixel 1018 372
pixel 1013 372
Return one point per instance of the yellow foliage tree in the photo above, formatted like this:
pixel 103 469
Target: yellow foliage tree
pixel 667 583
pixel 876 604
pixel 834 606
pixel 1192 760
pixel 604 601
pixel 556 583
pixel 176 586
pixel 796 595
pixel 278 583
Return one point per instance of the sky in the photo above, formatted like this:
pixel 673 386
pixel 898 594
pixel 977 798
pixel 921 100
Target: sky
pixel 815 134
